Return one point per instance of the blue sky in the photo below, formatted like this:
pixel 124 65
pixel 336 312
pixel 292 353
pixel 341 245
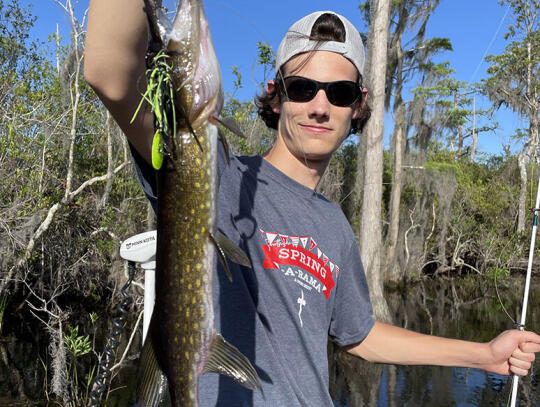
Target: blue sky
pixel 475 28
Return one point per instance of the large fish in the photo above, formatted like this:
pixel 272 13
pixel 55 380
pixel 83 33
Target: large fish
pixel 183 343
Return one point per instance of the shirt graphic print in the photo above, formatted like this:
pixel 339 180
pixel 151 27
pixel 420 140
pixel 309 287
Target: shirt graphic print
pixel 301 259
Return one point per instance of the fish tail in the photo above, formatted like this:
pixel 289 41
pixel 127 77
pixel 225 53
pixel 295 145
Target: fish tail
pixel 227 360
pixel 152 385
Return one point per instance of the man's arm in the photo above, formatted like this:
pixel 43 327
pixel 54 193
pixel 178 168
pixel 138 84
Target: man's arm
pixel 511 352
pixel 114 66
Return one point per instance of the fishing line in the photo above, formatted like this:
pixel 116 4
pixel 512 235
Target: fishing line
pixel 249 22
pixel 500 300
pixel 490 43
pixel 514 322
pixel 299 144
pixel 483 56
pixel 241 16
pixel 509 400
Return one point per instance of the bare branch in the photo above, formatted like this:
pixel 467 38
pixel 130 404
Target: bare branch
pixel 96 179
pixel 47 222
pixel 128 346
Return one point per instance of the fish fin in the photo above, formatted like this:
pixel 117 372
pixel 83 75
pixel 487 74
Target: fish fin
pixel 225 359
pixel 230 124
pixel 221 256
pixel 232 251
pixel 152 385
pixel 225 144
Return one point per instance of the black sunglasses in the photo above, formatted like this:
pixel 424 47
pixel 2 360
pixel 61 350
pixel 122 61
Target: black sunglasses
pixel 338 93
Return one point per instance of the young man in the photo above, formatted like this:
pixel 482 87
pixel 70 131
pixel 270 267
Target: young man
pixel 307 281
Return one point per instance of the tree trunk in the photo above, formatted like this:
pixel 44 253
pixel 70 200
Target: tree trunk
pixel 522 163
pixel 531 98
pixel 370 228
pixel 110 162
pixel 392 269
pixel 460 130
pixel 474 134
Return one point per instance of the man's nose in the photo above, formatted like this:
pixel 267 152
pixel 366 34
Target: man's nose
pixel 320 106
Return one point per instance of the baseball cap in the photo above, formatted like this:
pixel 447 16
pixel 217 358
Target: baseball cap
pixel 296 41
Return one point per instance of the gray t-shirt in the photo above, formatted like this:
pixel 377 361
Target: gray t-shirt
pixel 307 283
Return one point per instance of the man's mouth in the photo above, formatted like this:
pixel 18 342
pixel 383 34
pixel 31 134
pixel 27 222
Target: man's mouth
pixel 315 128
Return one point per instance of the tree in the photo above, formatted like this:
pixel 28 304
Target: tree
pixel 515 82
pixel 372 157
pixel 405 16
pixel 257 136
pixel 66 202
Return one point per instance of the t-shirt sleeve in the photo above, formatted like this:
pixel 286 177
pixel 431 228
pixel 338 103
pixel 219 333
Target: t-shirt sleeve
pixel 146 176
pixel 352 316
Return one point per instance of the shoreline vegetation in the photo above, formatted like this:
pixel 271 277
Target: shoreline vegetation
pixel 448 306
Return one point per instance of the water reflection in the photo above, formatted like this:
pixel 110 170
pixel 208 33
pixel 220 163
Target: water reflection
pixel 466 309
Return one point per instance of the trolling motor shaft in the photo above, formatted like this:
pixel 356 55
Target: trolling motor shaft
pixel 141 249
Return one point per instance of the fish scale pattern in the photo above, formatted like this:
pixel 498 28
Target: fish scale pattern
pixel 186 255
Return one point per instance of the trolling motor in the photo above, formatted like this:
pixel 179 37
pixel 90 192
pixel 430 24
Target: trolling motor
pixel 141 249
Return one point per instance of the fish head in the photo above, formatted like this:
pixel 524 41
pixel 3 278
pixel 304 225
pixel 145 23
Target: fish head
pixel 195 67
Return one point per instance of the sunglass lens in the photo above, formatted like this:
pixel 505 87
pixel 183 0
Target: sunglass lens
pixel 342 93
pixel 300 89
pixel 339 93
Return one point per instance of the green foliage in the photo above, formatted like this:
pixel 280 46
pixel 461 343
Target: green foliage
pixel 514 74
pixel 266 58
pixel 437 44
pixel 497 273
pixel 15 24
pixel 93 317
pixel 440 168
pixel 77 345
pixel 483 211
pixel 238 79
pixel 465 212
pixel 258 138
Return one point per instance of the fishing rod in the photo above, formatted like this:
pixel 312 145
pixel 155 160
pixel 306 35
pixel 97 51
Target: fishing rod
pixel 521 325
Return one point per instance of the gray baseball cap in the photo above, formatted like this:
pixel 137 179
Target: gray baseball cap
pixel 296 41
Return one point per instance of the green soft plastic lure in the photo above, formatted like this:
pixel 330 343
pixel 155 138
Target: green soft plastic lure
pixel 160 96
pixel 157 151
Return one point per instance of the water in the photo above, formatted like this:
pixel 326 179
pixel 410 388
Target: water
pixel 463 309
pixel 466 309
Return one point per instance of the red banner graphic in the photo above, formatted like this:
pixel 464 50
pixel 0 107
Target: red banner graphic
pixel 291 255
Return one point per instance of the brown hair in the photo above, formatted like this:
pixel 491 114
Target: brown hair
pixel 328 27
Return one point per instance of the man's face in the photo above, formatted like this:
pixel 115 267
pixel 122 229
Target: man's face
pixel 313 130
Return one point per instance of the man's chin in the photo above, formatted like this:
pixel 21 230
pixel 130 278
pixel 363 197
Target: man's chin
pixel 315 157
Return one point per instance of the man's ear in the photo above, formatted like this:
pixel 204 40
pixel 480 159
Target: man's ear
pixel 271 88
pixel 359 106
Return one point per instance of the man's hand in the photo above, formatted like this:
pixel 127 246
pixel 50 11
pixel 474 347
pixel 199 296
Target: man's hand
pixel 510 352
pixel 513 352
